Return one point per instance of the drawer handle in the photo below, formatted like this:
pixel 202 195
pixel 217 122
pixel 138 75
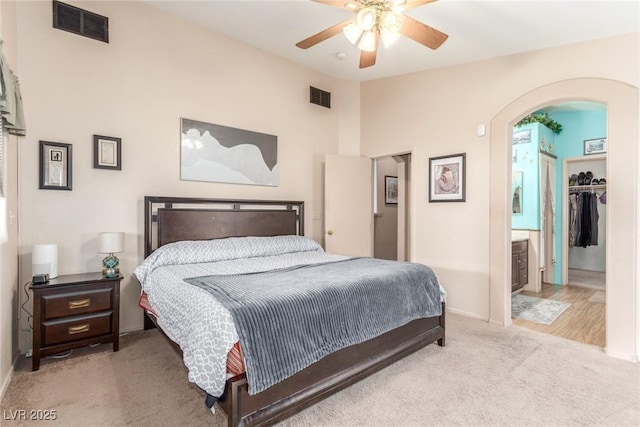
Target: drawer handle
pixel 78 329
pixel 81 303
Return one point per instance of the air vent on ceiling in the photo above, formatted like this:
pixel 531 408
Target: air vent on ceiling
pixel 319 97
pixel 80 21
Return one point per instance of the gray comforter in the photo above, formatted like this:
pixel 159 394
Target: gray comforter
pixel 290 318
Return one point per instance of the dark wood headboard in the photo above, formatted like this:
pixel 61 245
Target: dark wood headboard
pixel 172 219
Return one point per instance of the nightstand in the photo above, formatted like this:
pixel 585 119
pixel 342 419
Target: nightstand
pixel 73 311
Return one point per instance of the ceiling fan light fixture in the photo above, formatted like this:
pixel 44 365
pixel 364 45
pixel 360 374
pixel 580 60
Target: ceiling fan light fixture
pixel 368 41
pixel 352 5
pixel 367 18
pixel 352 32
pixel 391 21
pixel 375 20
pixel 388 37
pixel 398 5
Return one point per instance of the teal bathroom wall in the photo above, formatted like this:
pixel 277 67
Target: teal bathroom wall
pixel 526 162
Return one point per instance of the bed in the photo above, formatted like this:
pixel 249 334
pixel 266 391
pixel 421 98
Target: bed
pixel 174 221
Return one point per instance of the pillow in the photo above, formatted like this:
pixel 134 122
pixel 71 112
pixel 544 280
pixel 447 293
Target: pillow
pixel 199 251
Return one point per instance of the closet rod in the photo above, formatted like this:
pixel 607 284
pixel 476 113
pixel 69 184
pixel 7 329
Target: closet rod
pixel 588 187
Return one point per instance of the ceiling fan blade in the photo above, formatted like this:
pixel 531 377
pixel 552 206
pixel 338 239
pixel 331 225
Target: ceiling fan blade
pixel 423 34
pixel 322 35
pixel 367 59
pixel 415 3
pixel 342 4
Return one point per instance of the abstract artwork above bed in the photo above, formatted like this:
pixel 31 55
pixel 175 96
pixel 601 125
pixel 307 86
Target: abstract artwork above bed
pixel 216 153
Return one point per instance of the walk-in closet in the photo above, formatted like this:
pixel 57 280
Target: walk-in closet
pixel 587 214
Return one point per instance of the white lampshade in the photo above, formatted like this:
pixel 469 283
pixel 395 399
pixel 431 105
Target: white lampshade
pixel 352 32
pixel 388 37
pixel 111 242
pixel 44 260
pixel 366 18
pixel 368 41
pixel 398 5
pixel 391 21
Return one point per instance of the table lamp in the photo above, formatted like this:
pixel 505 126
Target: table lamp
pixel 110 243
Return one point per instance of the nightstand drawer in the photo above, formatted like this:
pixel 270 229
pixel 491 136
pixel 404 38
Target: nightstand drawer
pixel 76 303
pixel 76 328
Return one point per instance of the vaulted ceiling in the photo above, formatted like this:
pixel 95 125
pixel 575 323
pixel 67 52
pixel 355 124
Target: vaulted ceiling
pixel 477 30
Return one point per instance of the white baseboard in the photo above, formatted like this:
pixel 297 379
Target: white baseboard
pixel 623 356
pixel 6 381
pixel 466 314
pixel 477 316
pixel 495 322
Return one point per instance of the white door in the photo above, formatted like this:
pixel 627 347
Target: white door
pixel 348 202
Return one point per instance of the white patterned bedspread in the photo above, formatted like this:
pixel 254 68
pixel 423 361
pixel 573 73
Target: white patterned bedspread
pixel 191 316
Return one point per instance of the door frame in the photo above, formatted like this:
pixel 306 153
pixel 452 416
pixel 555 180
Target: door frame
pixel 623 295
pixel 408 199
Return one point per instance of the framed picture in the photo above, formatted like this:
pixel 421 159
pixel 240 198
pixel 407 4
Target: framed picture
pixel 391 190
pixel 447 177
pixel 595 146
pixel 216 153
pixel 107 152
pixel 55 166
pixel 522 136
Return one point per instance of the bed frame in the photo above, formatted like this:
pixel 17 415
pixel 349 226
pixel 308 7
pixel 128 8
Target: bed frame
pixel 170 219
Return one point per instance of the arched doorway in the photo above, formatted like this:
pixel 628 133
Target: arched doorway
pixel 623 330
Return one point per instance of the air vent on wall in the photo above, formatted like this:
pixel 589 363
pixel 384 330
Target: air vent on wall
pixel 319 97
pixel 80 21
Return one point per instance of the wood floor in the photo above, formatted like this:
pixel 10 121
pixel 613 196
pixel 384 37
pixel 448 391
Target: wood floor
pixel 583 321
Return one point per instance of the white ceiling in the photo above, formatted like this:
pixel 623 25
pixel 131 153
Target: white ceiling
pixel 477 29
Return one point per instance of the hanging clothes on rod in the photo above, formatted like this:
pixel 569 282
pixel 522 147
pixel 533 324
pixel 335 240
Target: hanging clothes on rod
pixel 583 217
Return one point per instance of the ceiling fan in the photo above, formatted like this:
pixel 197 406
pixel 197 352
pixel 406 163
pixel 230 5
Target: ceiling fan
pixel 375 20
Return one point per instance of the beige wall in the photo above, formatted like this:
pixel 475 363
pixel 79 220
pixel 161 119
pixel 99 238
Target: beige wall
pixel 155 70
pixel 439 111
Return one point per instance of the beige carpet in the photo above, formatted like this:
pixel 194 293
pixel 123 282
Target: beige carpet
pixel 485 376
